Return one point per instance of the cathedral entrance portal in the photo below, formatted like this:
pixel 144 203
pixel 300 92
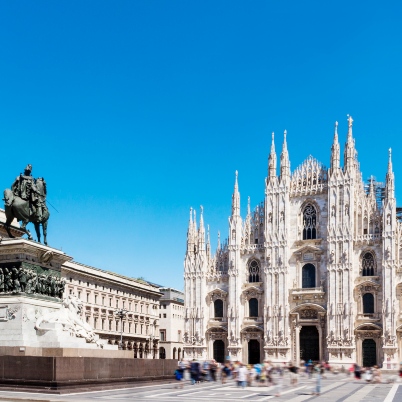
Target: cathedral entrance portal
pixel 219 351
pixel 309 343
pixel 253 351
pixel 369 348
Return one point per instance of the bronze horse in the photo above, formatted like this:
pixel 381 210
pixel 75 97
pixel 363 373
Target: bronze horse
pixel 16 207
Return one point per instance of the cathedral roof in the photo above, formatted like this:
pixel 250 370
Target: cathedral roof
pixel 311 177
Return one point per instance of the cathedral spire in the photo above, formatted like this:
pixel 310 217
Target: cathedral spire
pixel 272 160
pixel 335 150
pixel 248 206
pixel 208 245
pixel 219 241
pixel 236 198
pixel 190 234
pixel 350 151
pixel 390 181
pixel 285 163
pixel 201 231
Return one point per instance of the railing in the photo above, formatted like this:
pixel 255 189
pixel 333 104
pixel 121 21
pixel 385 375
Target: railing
pixel 368 237
pixel 308 290
pixel 368 316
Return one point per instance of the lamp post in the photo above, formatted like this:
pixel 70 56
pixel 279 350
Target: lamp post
pixel 151 349
pixel 120 313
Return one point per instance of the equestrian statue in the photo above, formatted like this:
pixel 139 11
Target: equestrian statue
pixel 26 202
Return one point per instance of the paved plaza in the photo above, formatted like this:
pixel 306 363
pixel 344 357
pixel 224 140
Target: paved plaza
pixel 336 388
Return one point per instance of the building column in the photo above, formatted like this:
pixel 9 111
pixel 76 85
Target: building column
pixel 297 343
pixel 320 341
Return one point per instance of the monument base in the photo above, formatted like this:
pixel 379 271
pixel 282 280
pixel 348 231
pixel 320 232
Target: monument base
pixel 67 374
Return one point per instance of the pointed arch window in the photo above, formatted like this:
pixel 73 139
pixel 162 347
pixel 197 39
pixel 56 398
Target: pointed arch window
pixel 368 265
pixel 309 222
pixel 254 271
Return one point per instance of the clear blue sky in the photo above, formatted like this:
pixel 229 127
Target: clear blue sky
pixel 133 111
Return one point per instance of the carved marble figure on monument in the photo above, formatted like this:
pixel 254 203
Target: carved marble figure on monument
pixel 69 316
pixel 26 202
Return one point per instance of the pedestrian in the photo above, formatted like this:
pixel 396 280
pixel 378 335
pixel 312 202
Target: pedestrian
pixel 242 375
pixel 319 369
pixel 357 371
pixel 179 377
pixel 195 372
pixel 377 375
pixel 225 373
pixel 213 367
pixel 293 374
pixel 278 380
pixel 368 375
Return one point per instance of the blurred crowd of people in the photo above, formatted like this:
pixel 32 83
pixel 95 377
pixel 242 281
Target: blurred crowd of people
pixel 249 375
pixel 270 374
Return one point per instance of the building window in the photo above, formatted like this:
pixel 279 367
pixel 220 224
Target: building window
pixel 309 222
pixel 308 276
pixel 162 336
pixel 87 284
pixel 71 291
pixel 71 279
pixel 135 307
pixel 110 325
pixel 95 322
pixel 135 328
pixel 110 302
pixel 218 308
pixel 164 315
pixel 368 303
pixel 86 318
pixel 129 306
pixel 164 306
pixel 142 327
pixel 103 324
pixel 96 299
pixel 253 307
pixel 162 353
pixel 142 307
pixel 79 281
pixel 368 265
pixel 254 272
pixel 79 295
pixel 103 301
pixel 129 327
pixel 87 297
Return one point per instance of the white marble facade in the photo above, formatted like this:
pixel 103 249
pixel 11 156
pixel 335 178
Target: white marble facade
pixel 315 271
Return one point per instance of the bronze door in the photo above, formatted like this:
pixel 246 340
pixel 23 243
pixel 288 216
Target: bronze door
pixel 309 343
pixel 219 351
pixel 369 348
pixel 253 351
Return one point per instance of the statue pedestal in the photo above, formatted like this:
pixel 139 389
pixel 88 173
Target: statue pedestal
pixel 32 312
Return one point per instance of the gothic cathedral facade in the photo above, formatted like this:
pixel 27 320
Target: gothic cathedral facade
pixel 314 272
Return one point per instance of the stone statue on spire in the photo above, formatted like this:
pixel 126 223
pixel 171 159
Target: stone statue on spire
pixel 350 121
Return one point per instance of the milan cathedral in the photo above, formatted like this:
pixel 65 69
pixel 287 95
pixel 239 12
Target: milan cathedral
pixel 314 272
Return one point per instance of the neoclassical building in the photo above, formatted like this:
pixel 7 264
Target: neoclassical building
pixel 314 272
